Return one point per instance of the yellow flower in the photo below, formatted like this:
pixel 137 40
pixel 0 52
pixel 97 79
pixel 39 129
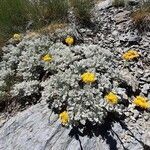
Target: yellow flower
pixel 112 98
pixel 47 58
pixel 17 37
pixel 131 54
pixel 141 102
pixel 64 118
pixel 69 40
pixel 88 77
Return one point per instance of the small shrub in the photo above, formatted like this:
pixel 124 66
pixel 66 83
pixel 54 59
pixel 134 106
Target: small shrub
pixel 141 17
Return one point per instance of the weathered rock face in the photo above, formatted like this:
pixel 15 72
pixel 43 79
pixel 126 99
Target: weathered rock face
pixel 38 129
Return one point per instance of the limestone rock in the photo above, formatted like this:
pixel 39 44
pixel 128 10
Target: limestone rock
pixel 121 17
pixel 38 129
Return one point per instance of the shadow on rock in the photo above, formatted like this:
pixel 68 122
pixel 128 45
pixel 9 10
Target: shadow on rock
pixel 104 130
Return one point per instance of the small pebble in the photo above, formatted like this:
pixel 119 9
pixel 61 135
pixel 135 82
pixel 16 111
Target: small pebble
pixel 127 114
pixel 146 117
pixel 136 114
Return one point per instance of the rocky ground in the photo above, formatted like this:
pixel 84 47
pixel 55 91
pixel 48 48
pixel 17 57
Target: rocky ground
pixel 37 128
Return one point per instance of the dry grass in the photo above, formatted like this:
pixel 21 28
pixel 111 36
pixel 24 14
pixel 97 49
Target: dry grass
pixel 52 27
pixel 141 17
pixel 15 15
pixel 2 41
pixel 118 3
pixel 82 10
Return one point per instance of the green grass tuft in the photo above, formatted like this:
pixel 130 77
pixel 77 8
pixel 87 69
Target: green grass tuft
pixel 16 14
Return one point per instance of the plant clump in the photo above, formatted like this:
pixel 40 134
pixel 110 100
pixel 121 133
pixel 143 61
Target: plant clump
pixel 80 82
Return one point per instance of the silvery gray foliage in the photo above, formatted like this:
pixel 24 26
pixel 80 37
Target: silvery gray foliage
pixel 11 56
pixel 23 61
pixel 5 72
pixel 61 78
pixel 2 83
pixel 64 85
pixel 83 101
pixel 25 88
pixel 30 58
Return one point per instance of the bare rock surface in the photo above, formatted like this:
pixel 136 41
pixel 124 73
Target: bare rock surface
pixel 104 4
pixel 37 129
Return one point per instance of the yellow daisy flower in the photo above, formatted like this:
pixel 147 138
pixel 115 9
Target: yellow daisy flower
pixel 112 98
pixel 131 54
pixel 69 40
pixel 64 118
pixel 17 37
pixel 88 77
pixel 141 102
pixel 47 58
